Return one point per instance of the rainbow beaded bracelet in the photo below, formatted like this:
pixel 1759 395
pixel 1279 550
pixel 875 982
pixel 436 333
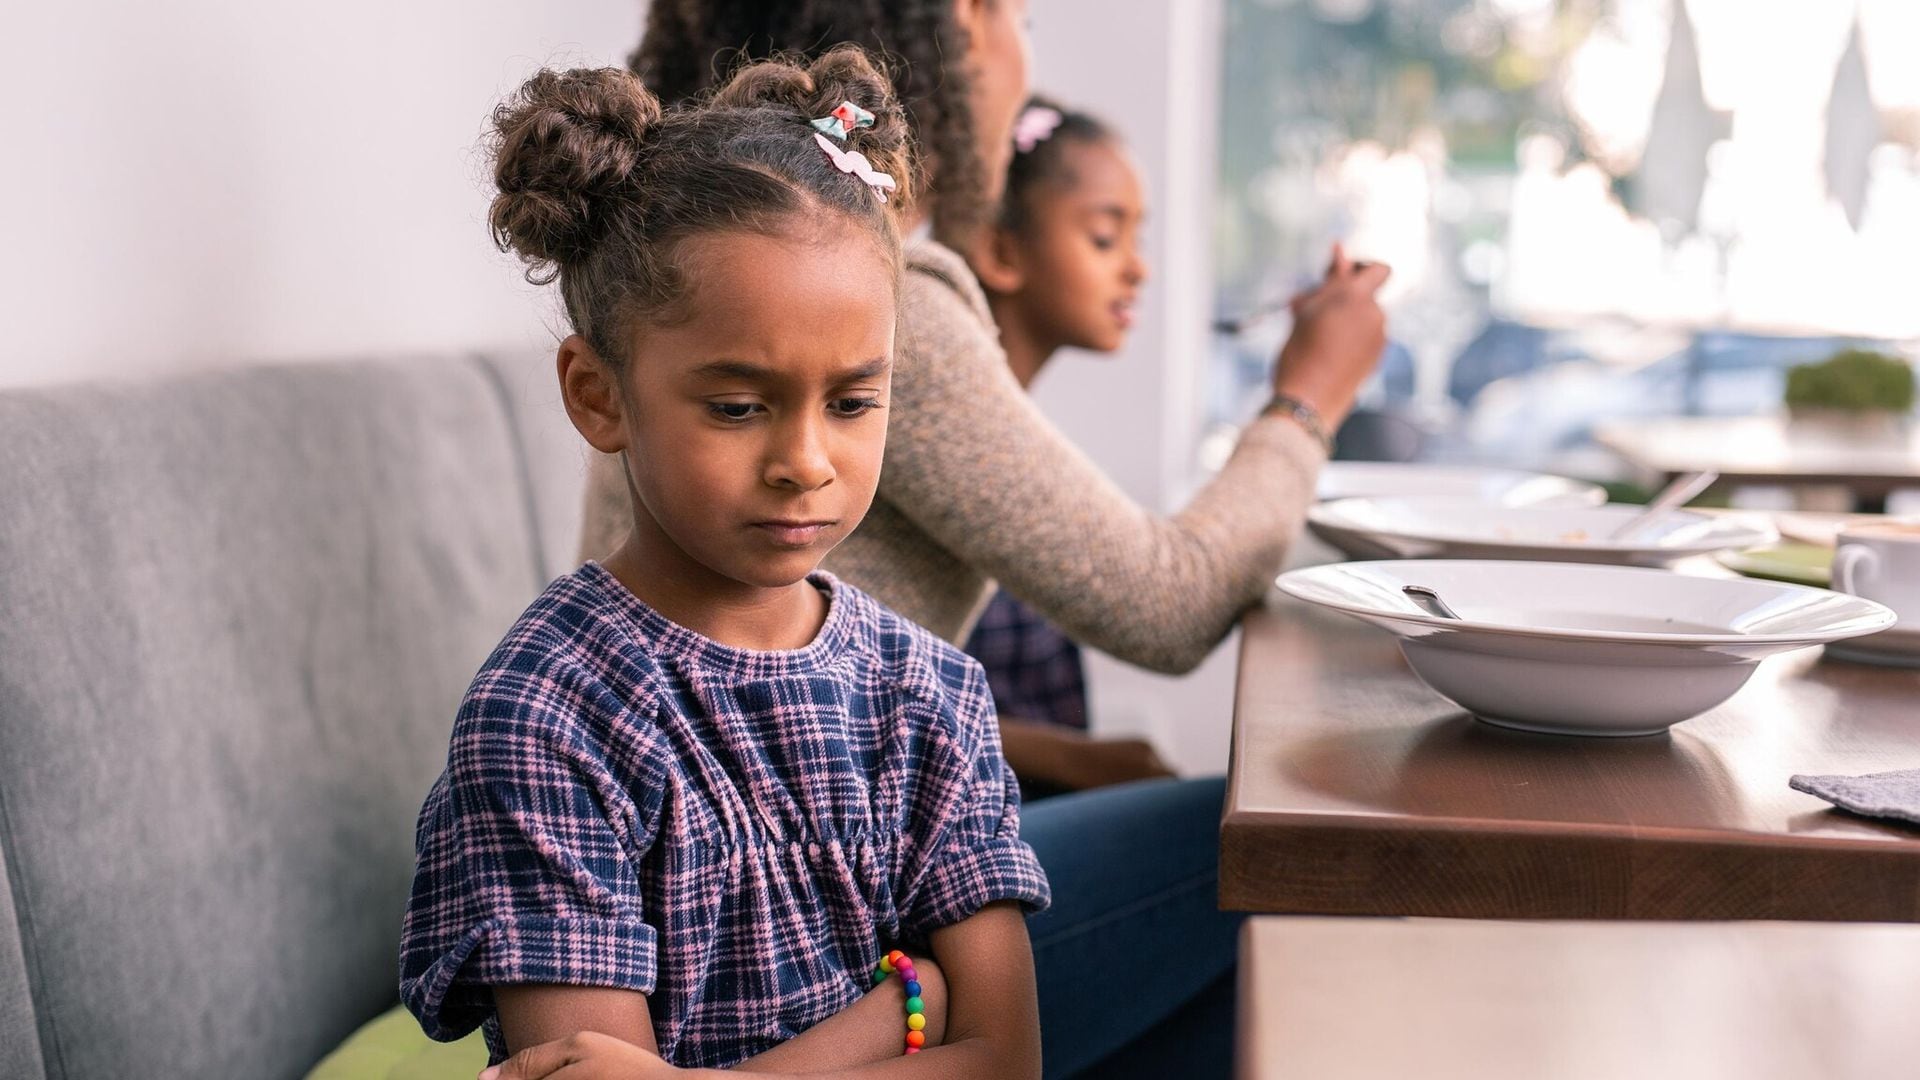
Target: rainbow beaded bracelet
pixel 897 962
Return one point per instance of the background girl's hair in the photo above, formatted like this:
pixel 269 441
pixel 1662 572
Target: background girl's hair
pixel 598 184
pixel 688 42
pixel 1047 162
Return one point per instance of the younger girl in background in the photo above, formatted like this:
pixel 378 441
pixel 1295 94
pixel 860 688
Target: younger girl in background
pixel 701 789
pixel 1061 268
pixel 1061 264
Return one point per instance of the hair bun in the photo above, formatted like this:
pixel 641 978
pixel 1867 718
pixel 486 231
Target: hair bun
pixel 564 143
pixel 813 90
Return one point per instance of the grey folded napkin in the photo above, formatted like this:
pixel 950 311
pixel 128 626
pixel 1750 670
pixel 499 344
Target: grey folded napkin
pixel 1887 794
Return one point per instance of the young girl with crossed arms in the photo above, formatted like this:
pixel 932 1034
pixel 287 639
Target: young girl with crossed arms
pixel 707 807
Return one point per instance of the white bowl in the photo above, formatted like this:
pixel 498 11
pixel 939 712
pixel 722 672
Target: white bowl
pixel 1585 650
pixel 1501 487
pixel 1446 527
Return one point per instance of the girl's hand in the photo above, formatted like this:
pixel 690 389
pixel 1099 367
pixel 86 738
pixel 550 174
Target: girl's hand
pixel 587 1055
pixel 1338 335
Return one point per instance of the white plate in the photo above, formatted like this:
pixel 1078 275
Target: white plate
pixel 1585 650
pixel 1820 529
pixel 1427 527
pixel 1502 487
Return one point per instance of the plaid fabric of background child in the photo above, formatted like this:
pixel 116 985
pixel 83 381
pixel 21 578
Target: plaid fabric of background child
pixel 1034 670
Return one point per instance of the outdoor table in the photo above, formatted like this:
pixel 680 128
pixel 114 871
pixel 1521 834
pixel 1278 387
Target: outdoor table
pixel 1770 450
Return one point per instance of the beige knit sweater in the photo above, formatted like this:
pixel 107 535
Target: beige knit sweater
pixel 978 487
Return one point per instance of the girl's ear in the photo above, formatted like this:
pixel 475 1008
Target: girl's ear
pixel 996 259
pixel 590 388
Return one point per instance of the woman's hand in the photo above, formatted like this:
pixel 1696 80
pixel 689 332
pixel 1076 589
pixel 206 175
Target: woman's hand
pixel 1103 762
pixel 587 1055
pixel 1338 335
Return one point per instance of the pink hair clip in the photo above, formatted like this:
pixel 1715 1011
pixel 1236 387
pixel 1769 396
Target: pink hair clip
pixel 1034 126
pixel 855 163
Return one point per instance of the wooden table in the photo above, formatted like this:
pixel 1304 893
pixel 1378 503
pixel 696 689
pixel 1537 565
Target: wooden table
pixel 1769 450
pixel 1355 790
pixel 1341 999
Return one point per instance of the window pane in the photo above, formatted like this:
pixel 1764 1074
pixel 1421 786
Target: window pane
pixel 1594 208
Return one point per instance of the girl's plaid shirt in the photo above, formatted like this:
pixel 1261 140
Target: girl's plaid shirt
pixel 733 833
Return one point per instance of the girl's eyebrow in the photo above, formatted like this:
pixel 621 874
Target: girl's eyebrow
pixel 739 370
pixel 868 370
pixel 744 371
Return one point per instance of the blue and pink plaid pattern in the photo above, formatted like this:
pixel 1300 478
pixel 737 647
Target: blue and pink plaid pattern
pixel 1034 670
pixel 734 833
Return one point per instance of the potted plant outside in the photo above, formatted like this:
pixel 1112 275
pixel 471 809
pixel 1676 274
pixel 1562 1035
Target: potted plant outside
pixel 1855 393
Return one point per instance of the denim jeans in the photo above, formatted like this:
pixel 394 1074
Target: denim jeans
pixel 1134 951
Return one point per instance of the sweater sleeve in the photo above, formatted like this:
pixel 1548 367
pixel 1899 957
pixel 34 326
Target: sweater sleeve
pixel 973 463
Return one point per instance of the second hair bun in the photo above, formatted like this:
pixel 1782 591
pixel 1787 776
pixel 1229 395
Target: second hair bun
pixel 815 89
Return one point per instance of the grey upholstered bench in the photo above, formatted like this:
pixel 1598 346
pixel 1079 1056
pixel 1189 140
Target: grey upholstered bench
pixel 237 611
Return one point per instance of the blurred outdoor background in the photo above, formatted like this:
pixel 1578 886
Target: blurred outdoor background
pixel 1595 209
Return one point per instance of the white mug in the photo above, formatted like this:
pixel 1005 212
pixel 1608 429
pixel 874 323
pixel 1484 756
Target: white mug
pixel 1881 562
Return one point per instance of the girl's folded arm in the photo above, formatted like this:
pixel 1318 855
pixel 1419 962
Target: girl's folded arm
pixel 871 1029
pixel 993 1022
pixel 993 1013
pixel 538 1013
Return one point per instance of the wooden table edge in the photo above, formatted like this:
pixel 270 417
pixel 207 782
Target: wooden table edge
pixel 1556 872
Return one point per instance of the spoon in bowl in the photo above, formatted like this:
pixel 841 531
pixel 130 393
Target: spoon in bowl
pixel 1674 495
pixel 1430 601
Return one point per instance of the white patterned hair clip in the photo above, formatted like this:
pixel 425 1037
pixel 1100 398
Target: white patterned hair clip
pixel 1034 127
pixel 856 164
pixel 844 118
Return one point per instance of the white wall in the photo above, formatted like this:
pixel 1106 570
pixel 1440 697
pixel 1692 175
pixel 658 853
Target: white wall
pixel 203 182
pixel 1154 74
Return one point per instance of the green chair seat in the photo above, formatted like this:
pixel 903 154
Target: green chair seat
pixel 391 1046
